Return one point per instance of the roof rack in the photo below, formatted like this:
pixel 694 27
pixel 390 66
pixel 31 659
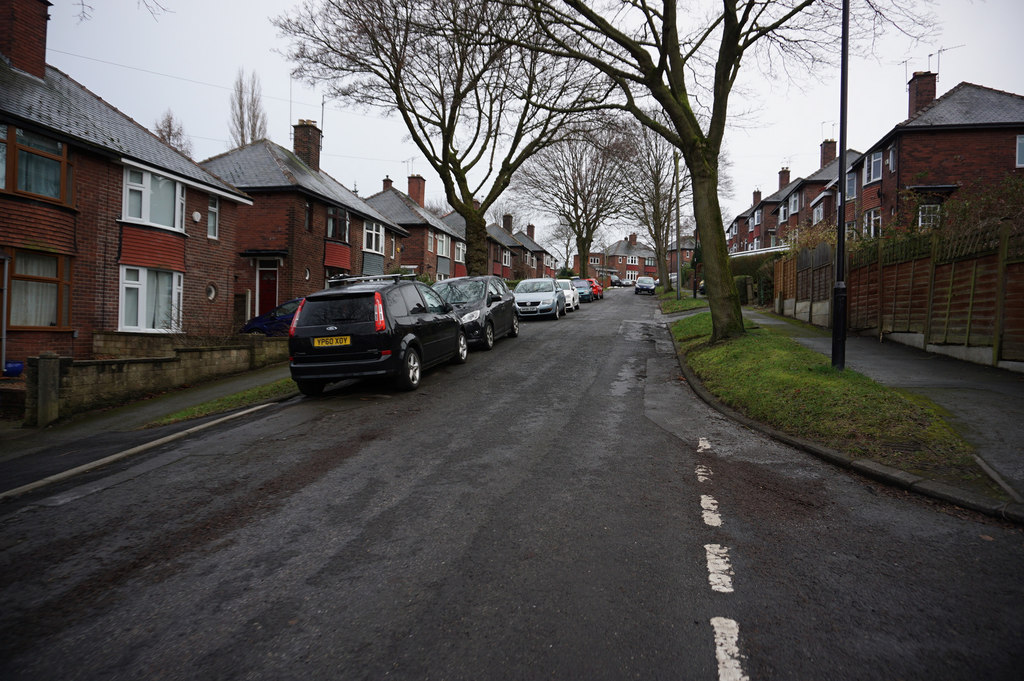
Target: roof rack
pixel 344 279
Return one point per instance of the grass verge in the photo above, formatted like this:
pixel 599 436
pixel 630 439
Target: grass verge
pixel 246 398
pixel 669 304
pixel 774 380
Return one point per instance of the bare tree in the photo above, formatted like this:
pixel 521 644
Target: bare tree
pixel 651 180
pixel 562 239
pixel 579 183
pixel 170 130
pixel 475 107
pixel 154 7
pixel 248 119
pixel 688 64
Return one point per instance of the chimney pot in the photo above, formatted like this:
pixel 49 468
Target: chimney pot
pixel 757 197
pixel 387 183
pixel 783 177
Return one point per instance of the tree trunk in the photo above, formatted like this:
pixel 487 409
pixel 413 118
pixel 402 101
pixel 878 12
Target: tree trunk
pixel 724 300
pixel 476 244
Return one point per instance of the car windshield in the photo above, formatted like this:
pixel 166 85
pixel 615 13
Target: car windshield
pixel 455 292
pixel 582 284
pixel 646 281
pixel 322 311
pixel 566 284
pixel 535 286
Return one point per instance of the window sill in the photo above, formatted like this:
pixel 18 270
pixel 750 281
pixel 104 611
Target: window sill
pixel 150 225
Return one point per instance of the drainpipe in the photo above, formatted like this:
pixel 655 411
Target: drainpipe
pixel 3 319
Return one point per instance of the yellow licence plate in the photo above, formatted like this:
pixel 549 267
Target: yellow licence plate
pixel 331 341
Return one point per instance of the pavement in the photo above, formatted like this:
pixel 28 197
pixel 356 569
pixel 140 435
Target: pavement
pixel 984 404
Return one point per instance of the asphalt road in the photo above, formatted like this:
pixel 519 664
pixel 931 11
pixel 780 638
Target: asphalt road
pixel 561 507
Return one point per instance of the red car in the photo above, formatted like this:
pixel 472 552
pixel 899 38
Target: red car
pixel 596 288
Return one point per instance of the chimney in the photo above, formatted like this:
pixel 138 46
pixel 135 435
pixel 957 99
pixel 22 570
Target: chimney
pixel 307 143
pixel 529 231
pixel 632 239
pixel 922 91
pixel 23 35
pixel 387 183
pixel 757 197
pixel 417 188
pixel 783 177
pixel 506 222
pixel 828 152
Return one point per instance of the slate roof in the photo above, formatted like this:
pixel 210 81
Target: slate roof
pixel 65 108
pixel 971 105
pixel 403 210
pixel 825 175
pixel 502 237
pixel 623 248
pixel 528 243
pixel 267 166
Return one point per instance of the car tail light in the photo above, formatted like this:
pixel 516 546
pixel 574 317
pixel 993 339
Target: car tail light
pixel 378 312
pixel 295 319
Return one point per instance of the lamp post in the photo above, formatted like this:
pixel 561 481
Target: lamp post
pixel 839 292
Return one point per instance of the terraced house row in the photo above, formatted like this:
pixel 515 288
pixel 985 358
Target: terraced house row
pixel 971 135
pixel 108 232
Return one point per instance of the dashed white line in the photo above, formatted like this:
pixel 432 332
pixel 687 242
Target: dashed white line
pixel 703 474
pixel 719 569
pixel 709 508
pixel 703 445
pixel 727 649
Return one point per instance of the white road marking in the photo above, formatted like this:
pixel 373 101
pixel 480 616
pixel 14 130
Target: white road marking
pixel 727 649
pixel 703 474
pixel 703 445
pixel 719 569
pixel 710 510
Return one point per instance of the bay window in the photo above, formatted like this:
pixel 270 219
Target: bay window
pixel 150 299
pixel 34 164
pixel 153 199
pixel 40 290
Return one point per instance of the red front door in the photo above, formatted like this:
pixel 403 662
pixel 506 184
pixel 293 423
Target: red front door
pixel 267 295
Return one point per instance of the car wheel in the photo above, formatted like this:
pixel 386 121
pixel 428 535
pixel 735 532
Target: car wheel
pixel 311 388
pixel 514 331
pixel 488 336
pixel 462 351
pixel 556 314
pixel 409 376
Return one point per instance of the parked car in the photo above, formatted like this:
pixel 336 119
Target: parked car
pixel 485 305
pixel 572 296
pixel 598 289
pixel 583 289
pixel 538 297
pixel 644 285
pixel 275 322
pixel 615 281
pixel 372 326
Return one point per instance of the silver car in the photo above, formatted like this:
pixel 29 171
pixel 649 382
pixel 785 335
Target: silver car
pixel 539 297
pixel 572 296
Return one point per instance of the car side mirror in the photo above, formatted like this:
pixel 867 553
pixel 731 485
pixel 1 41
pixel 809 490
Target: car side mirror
pixel 493 298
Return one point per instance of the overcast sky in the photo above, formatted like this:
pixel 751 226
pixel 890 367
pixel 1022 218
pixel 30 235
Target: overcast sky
pixel 186 60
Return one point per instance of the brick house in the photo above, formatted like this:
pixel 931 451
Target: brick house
pixel 756 227
pixel 103 227
pixel 541 263
pixel 629 259
pixel 303 226
pixel 502 248
pixel 808 198
pixel 972 134
pixel 596 263
pixel 432 247
pixel 683 253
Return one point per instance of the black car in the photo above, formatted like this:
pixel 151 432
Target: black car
pixel 372 326
pixel 485 305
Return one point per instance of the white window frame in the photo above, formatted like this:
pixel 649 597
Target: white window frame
pixel 783 213
pixel 757 217
pixel 851 185
pixel 929 215
pixel 213 218
pixel 144 190
pixel 506 257
pixel 632 260
pixel 1020 151
pixel 460 251
pixel 818 214
pixel 140 284
pixel 873 168
pixel 595 260
pixel 873 223
pixel 443 245
pixel 430 241
pixel 892 158
pixel 373 238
